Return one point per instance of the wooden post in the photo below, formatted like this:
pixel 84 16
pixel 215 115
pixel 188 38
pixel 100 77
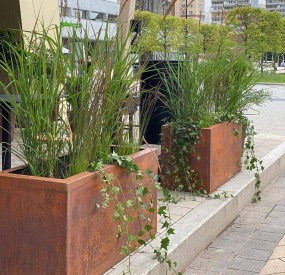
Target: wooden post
pixel 127 10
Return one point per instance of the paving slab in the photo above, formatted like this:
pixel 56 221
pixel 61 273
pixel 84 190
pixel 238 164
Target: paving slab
pixel 230 271
pixel 254 254
pixel 265 236
pixel 243 264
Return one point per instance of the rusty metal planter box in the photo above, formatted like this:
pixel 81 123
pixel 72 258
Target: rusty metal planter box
pixel 216 158
pixel 53 226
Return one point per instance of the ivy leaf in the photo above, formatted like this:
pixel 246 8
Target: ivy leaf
pixel 141 242
pixel 125 250
pixel 170 231
pixel 116 215
pixel 132 237
pixel 165 224
pixel 161 210
pixel 148 227
pixel 148 172
pixel 129 203
pixel 164 243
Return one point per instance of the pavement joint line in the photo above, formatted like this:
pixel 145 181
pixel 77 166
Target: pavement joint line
pixel 196 230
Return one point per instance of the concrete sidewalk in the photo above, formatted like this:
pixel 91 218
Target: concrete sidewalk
pixel 255 237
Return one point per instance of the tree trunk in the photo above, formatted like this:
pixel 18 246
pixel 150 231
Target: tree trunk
pixel 261 65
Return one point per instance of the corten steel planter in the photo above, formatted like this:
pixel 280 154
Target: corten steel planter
pixel 53 226
pixel 216 158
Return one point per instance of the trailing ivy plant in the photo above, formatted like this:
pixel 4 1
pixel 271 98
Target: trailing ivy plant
pixel 142 203
pixel 251 162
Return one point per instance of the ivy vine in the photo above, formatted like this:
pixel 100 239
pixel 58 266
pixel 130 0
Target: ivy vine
pixel 186 137
pixel 251 162
pixel 123 209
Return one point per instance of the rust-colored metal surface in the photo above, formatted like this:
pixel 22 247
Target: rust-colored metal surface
pixel 216 159
pixel 53 226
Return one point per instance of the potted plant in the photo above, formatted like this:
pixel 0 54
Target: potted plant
pixel 64 212
pixel 202 143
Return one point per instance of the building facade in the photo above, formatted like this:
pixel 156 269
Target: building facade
pixel 22 14
pixel 220 8
pixel 155 6
pixel 276 5
pixel 194 9
pixel 87 17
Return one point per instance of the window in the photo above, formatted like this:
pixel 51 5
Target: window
pixel 77 13
pixel 85 14
pixel 100 16
pixel 112 18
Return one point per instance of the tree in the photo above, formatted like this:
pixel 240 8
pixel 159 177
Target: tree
pixel 244 21
pixel 147 41
pixel 170 34
pixel 191 37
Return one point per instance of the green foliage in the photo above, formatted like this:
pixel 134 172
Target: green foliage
pixel 148 40
pixel 170 34
pixel 249 31
pixel 184 96
pixel 7 38
pixel 139 205
pixel 185 36
pixel 268 77
pixel 215 90
pixel 200 94
pixel 45 80
pixel 191 43
pixel 250 161
pixel 257 31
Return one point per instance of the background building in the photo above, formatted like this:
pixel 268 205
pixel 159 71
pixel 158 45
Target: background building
pixel 87 17
pixel 276 5
pixel 22 14
pixel 220 8
pixel 155 6
pixel 194 9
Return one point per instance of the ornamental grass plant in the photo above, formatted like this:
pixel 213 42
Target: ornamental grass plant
pixel 214 90
pixel 70 110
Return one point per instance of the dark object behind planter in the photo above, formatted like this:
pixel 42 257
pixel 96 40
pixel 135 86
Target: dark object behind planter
pixel 151 81
pixel 53 226
pixel 219 151
pixel 13 122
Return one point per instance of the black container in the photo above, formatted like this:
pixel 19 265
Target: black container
pixel 152 85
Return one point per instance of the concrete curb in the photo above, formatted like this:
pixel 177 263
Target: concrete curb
pixel 200 227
